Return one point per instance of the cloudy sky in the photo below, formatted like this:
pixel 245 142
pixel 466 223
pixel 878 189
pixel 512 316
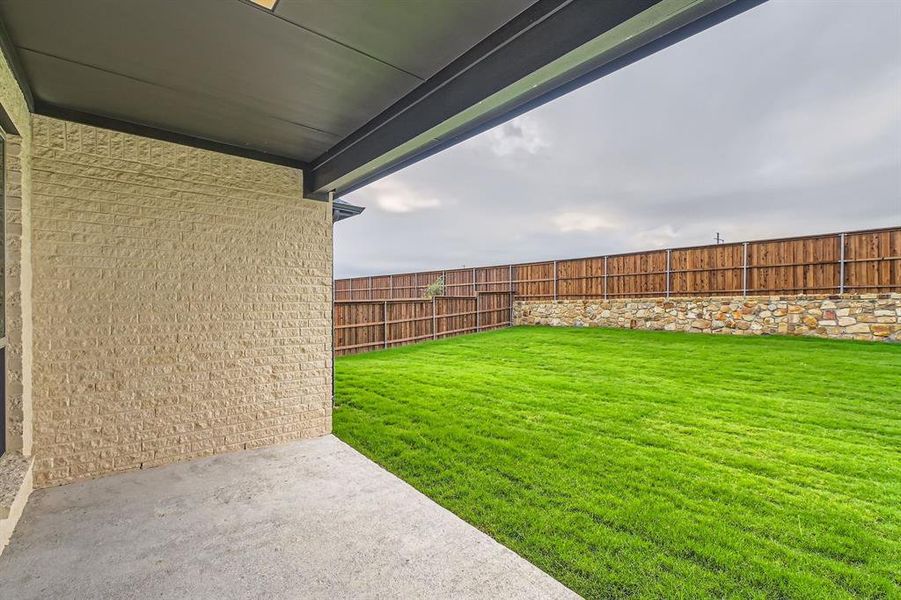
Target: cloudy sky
pixel 784 120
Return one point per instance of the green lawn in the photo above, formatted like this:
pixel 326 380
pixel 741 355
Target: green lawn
pixel 645 464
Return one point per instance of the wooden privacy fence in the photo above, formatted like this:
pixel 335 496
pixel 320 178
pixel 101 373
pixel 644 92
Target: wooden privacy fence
pixel 364 325
pixel 854 262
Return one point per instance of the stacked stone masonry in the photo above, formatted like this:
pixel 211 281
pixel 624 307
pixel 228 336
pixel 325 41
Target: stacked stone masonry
pixel 181 303
pixel 860 317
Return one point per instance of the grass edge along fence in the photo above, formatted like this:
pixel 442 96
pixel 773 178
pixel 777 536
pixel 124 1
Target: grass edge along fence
pixel 835 263
pixel 365 325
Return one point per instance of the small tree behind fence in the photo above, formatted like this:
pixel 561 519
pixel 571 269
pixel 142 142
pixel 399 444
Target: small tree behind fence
pixel 435 289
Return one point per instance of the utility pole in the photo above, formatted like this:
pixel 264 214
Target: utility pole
pixel 719 240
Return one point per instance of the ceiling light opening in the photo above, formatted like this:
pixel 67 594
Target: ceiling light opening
pixel 267 4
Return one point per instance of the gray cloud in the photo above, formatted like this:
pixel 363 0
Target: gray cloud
pixel 785 120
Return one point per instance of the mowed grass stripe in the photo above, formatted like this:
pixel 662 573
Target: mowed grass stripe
pixel 643 464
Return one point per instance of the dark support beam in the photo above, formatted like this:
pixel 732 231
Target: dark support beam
pixel 539 36
pixel 66 114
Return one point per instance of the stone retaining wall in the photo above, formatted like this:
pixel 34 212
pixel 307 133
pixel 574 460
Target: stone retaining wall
pixel 860 317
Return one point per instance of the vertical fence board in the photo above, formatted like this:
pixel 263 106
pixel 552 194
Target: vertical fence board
pixel 580 278
pixel 636 275
pixel 802 266
pixel 361 326
pixel 535 281
pixel 459 283
pixel 380 287
pixel 341 289
pixel 494 309
pixel 873 261
pixel 493 279
pixel 358 289
pixel 709 270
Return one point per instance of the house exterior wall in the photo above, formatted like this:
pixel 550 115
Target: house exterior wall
pixel 17 178
pixel 871 317
pixel 16 464
pixel 181 303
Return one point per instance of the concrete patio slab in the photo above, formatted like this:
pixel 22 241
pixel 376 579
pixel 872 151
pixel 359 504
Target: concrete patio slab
pixel 312 519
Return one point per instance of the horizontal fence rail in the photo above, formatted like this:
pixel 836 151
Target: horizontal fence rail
pixel 364 325
pixel 853 262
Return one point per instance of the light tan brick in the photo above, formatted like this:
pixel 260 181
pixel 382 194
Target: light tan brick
pixel 181 303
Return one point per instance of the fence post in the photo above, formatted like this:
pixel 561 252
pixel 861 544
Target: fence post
pixel 555 281
pixel 385 319
pixel 391 286
pixel 370 288
pixel 841 264
pixel 510 277
pixel 474 291
pixel 744 270
pixel 605 278
pixel 511 309
pixel 667 271
pixel 478 316
pixel 434 321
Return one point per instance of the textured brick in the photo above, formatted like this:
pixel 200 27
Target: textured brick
pixel 17 179
pixel 181 303
pixel 16 464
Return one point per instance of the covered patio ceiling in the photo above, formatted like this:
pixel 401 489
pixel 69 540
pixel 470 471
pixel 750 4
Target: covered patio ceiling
pixel 348 91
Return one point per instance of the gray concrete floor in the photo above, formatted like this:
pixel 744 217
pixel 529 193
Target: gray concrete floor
pixel 313 519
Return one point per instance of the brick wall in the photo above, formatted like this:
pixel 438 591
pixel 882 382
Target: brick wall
pixel 862 317
pixel 17 179
pixel 16 463
pixel 181 303
pixel 18 305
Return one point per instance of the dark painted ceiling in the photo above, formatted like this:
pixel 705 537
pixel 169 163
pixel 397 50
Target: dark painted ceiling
pixel 291 83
